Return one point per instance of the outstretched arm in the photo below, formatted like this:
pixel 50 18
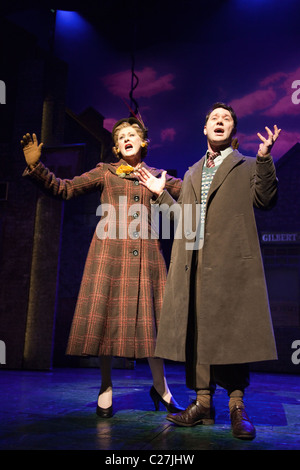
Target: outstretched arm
pixel 48 182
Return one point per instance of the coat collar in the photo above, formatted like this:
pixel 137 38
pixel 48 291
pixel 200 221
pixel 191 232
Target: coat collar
pixel 233 159
pixel 113 168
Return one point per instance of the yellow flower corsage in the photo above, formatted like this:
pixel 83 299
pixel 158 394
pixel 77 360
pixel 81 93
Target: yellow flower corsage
pixel 124 170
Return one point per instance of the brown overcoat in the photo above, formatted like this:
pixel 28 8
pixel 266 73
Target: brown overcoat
pixel 121 292
pixel 234 318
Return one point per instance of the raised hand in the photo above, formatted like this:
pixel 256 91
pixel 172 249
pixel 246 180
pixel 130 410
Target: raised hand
pixel 267 144
pixel 155 185
pixel 32 150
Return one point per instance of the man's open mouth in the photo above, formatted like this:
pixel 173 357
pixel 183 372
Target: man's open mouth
pixel 219 130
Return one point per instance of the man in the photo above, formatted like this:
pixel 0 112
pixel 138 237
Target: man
pixel 215 314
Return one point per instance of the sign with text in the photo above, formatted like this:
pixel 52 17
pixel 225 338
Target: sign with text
pixel 280 237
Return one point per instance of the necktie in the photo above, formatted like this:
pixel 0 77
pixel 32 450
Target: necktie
pixel 210 159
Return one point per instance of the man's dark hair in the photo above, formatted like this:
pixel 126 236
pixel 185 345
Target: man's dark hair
pixel 224 106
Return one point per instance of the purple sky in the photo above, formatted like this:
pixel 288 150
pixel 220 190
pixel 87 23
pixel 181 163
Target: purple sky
pixel 242 53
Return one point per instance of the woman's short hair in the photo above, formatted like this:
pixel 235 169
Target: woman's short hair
pixel 140 129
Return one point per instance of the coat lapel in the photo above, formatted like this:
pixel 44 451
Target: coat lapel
pixel 225 168
pixel 196 178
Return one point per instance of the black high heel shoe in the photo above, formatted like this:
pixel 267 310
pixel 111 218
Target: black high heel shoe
pixel 104 412
pixel 171 407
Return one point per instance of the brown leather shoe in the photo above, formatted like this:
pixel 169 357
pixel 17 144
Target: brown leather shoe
pixel 242 428
pixel 194 414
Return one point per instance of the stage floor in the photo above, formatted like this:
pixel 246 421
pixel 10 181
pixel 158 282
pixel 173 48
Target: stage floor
pixel 56 411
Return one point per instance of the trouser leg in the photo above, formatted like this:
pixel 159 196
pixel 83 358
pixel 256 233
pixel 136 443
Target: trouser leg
pixel 198 375
pixel 235 378
pixel 232 377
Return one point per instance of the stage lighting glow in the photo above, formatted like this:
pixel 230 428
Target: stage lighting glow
pixel 70 22
pixel 253 4
pixel 72 33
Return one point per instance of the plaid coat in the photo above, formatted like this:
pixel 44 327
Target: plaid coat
pixel 121 292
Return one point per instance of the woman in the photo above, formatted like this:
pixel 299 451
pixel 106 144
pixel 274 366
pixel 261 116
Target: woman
pixel 120 297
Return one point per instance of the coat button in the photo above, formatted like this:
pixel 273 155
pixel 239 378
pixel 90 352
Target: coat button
pixel 136 182
pixel 136 198
pixel 135 215
pixel 135 252
pixel 186 267
pixel 135 234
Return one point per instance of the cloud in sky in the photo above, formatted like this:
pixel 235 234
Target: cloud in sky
pixel 168 134
pixel 258 100
pixel 109 123
pixel 150 83
pixel 273 97
pixel 273 78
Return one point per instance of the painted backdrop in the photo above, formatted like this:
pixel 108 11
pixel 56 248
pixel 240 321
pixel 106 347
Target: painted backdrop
pixel 185 55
